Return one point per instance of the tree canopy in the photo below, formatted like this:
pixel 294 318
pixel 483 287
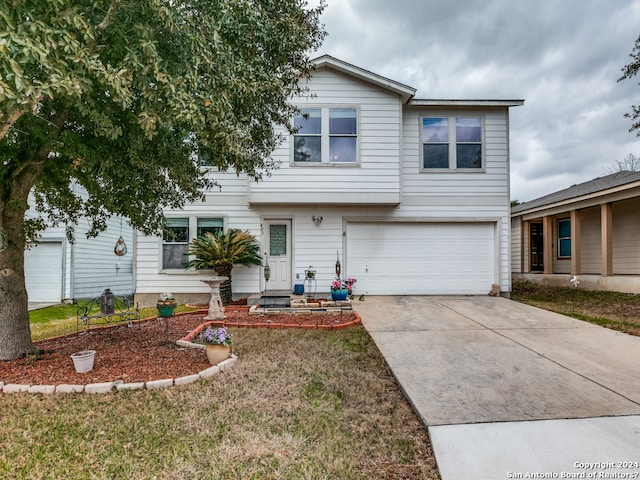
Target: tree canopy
pixel 628 71
pixel 122 97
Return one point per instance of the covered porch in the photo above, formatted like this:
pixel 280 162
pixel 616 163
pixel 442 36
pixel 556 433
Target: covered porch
pixel 594 237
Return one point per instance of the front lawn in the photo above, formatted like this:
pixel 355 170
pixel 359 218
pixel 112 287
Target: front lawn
pixel 297 404
pixel 618 311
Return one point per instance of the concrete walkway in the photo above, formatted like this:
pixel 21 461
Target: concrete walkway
pixel 507 390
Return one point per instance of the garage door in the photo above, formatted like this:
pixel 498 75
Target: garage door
pixel 421 258
pixel 43 272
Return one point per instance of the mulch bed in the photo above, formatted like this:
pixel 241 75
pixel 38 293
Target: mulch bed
pixel 143 352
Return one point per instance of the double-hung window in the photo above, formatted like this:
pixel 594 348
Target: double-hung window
pixel 564 238
pixel 452 143
pixel 176 236
pixel 326 135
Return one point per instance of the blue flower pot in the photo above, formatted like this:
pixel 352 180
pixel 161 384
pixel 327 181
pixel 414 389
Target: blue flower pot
pixel 337 295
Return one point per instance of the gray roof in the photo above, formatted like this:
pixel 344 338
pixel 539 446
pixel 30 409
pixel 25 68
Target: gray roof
pixel 593 186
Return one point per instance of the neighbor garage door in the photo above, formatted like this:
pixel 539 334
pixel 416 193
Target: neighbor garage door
pixel 43 272
pixel 421 258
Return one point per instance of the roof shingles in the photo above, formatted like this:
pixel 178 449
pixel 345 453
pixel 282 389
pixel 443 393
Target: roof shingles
pixel 575 191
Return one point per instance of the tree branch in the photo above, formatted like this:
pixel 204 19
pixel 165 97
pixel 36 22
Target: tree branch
pixel 102 26
pixel 8 120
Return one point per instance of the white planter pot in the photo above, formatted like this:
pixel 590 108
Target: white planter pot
pixel 83 361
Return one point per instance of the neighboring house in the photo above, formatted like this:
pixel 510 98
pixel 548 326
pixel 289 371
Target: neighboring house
pixel 57 270
pixel 590 230
pixel 412 196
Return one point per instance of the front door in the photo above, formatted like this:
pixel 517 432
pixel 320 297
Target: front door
pixel 536 240
pixel 277 235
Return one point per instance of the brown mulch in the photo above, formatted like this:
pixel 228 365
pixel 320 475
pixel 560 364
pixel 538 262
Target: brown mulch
pixel 140 353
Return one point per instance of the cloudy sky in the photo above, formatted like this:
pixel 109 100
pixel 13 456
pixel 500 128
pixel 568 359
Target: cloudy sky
pixel 562 57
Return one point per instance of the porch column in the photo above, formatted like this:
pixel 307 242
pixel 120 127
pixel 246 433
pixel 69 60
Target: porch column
pixel 606 226
pixel 576 268
pixel 547 233
pixel 525 233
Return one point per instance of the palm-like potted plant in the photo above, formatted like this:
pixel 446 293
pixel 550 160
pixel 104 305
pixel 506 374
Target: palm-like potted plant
pixel 221 252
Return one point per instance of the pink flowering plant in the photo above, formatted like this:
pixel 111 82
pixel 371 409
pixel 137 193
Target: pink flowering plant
pixel 338 285
pixel 347 284
pixel 215 336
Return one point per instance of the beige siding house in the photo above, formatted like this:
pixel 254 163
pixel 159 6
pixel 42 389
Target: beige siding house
pixel 411 195
pixel 590 230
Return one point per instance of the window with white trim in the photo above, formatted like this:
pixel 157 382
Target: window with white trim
pixel 326 135
pixel 452 143
pixel 177 234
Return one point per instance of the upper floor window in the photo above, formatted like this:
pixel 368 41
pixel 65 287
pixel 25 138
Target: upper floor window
pixel 564 238
pixel 452 143
pixel 177 234
pixel 326 135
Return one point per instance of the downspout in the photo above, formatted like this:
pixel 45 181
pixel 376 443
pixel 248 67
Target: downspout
pixel 134 262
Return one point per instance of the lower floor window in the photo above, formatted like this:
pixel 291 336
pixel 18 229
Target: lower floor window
pixel 564 238
pixel 176 236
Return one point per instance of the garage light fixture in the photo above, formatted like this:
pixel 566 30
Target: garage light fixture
pixel 316 220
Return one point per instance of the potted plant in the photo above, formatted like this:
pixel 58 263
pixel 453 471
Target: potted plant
pixel 221 252
pixel 339 290
pixel 349 283
pixel 310 273
pixel 83 360
pixel 166 304
pixel 217 341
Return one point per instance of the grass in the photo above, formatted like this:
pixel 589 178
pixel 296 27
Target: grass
pixel 618 311
pixel 298 404
pixel 61 319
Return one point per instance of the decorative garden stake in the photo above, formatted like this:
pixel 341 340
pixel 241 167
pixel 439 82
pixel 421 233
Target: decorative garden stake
pixel 574 283
pixel 267 275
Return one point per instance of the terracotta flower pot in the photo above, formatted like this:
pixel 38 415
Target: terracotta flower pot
pixel 218 353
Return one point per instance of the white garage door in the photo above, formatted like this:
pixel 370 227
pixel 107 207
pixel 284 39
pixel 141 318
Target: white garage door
pixel 421 258
pixel 43 272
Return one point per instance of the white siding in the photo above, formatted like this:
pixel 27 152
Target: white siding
pixel 89 265
pixel 377 175
pixel 95 266
pixel 386 186
pixel 460 195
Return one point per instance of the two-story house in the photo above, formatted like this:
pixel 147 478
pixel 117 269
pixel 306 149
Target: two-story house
pixel 411 195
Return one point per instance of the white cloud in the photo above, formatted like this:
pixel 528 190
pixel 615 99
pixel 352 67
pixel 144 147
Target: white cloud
pixel 563 58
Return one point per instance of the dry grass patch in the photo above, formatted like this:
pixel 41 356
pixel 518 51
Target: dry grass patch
pixel 615 310
pixel 298 404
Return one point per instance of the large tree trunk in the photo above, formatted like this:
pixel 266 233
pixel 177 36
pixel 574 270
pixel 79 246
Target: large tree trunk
pixel 225 287
pixel 15 332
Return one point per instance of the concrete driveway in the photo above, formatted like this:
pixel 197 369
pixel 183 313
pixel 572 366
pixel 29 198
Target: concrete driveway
pixel 507 389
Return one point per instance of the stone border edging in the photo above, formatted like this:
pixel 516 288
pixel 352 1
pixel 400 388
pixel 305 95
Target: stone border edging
pixel 118 385
pixel 109 387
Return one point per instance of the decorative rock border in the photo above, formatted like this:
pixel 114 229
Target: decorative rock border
pixel 118 386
